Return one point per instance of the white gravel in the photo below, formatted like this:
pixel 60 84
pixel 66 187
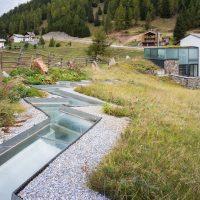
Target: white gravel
pixel 27 119
pixel 66 177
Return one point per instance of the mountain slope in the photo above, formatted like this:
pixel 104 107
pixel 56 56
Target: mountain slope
pixel 72 16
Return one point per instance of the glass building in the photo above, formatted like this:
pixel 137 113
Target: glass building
pixel 187 57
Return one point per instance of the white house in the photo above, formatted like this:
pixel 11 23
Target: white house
pixel 29 37
pixel 192 40
pixel 16 38
pixel 2 43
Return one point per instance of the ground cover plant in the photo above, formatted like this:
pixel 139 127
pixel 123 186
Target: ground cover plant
pixel 157 156
pixel 11 91
pixel 34 77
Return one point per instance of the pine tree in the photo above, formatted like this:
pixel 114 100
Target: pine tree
pixel 105 8
pixel 100 45
pixel 90 15
pixel 107 23
pixel 166 13
pixel 128 17
pixel 42 42
pixel 21 27
pixel 52 42
pixel 148 21
pixel 136 11
pixel 100 11
pixel 120 18
pixel 96 20
pixel 180 28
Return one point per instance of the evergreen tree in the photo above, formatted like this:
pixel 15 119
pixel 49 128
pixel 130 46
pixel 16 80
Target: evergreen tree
pixel 166 13
pixel 120 18
pixel 136 11
pixel 100 11
pixel 105 8
pixel 180 28
pixel 96 20
pixel 100 45
pixel 21 27
pixel 42 42
pixel 52 42
pixel 148 21
pixel 90 15
pixel 107 23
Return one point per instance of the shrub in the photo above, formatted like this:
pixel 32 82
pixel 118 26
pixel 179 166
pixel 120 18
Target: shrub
pixel 52 43
pixel 58 44
pixel 7 113
pixel 23 72
pixel 115 110
pixel 66 74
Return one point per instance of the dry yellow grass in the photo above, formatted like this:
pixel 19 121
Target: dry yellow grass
pixel 158 155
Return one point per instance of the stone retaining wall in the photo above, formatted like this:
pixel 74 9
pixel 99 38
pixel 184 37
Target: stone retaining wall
pixel 190 82
pixel 171 67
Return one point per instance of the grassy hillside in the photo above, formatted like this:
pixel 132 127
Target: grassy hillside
pixel 157 156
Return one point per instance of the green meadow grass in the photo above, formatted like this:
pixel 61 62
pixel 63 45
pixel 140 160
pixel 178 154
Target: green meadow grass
pixel 157 156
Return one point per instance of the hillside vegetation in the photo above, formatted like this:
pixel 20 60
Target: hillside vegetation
pixel 73 16
pixel 157 156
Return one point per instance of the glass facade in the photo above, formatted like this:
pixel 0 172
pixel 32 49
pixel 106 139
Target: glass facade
pixel 188 58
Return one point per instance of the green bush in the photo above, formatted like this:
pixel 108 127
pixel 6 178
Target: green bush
pixel 66 74
pixel 115 110
pixel 145 67
pixel 26 91
pixel 23 72
pixel 58 44
pixel 34 77
pixel 8 112
pixel 16 92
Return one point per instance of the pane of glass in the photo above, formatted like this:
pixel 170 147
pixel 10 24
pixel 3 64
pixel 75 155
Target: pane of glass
pixel 161 53
pixel 194 70
pixel 182 70
pixel 154 53
pixel 193 55
pixel 147 53
pixel 183 56
pixel 171 53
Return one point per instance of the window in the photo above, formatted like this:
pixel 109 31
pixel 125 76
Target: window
pixel 154 53
pixel 161 53
pixel 188 70
pixel 171 53
pixel 183 56
pixel 183 70
pixel 193 55
pixel 193 70
pixel 147 53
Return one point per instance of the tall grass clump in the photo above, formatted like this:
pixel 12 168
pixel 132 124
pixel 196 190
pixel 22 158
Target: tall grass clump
pixel 157 156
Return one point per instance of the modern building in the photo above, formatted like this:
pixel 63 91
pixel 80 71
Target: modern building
pixel 183 60
pixel 2 43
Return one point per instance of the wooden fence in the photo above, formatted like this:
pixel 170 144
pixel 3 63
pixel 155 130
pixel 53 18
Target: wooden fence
pixel 13 59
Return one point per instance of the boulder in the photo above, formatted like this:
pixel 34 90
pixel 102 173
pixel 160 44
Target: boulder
pixel 95 65
pixel 5 75
pixel 112 62
pixel 38 63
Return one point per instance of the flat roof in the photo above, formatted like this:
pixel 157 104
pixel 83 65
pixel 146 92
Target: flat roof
pixel 176 47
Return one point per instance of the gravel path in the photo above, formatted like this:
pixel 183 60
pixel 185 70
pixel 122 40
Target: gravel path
pixel 66 177
pixel 27 120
